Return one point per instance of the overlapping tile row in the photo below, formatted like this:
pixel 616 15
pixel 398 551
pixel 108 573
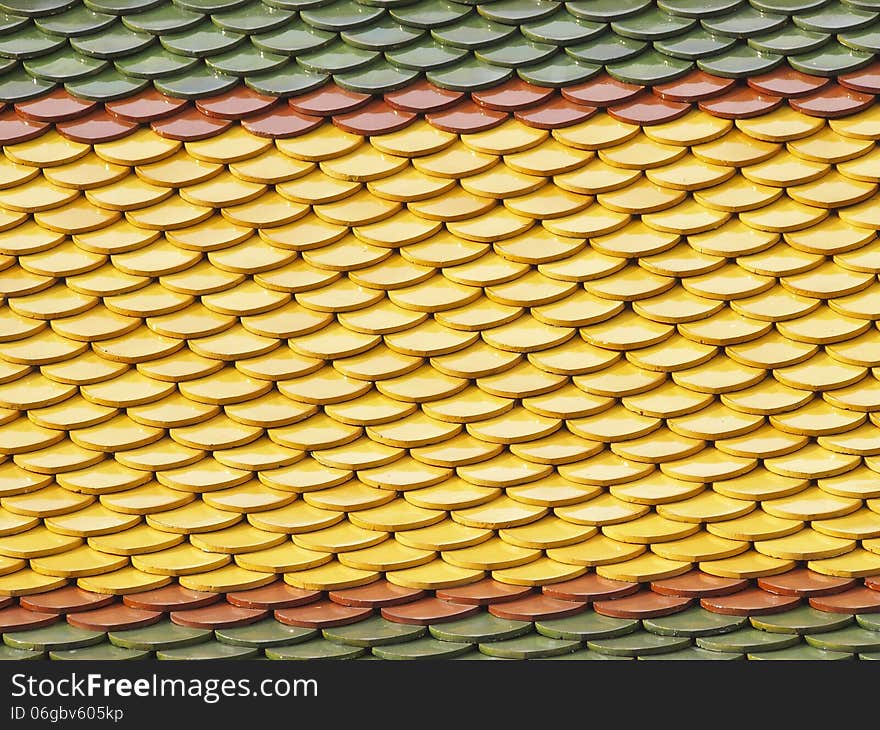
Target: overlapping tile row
pixel 801 615
pixel 109 49
pixel 431 358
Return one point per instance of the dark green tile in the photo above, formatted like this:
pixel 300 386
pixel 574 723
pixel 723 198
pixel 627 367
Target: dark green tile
pixel 517 12
pixel 740 62
pixel 789 40
pixel 296 4
pixel 831 59
pixel 264 634
pixel 100 653
pixel 36 8
pixel 862 4
pixel 516 53
pixel 64 66
pixel 651 25
pixel 17 86
pixel 694 45
pixel 337 58
pixel 424 648
pixel 29 43
pixel 56 636
pixel 586 626
pixel 833 18
pixel 478 656
pixel 801 652
pixel 377 78
pixel 472 32
pixel 849 639
pixel 207 651
pixel 9 23
pixel 694 622
pixel 801 620
pixel 604 11
pixel 561 70
pixel 165 18
pixel 163 635
pixel 862 40
pixel 693 653
pixel 315 649
pixel 607 48
pixel 79 20
pixel 563 30
pixel 7 653
pixel 866 656
pixel 289 81
pixel 639 643
pixel 479 628
pixel 787 7
pixel 374 631
pixel 870 621
pixel 246 60
pixel 341 15
pixel 586 655
pixel 122 7
pixel 199 81
pixel 425 54
pixel 747 640
pixel 154 63
pixel 744 23
pixel 429 14
pixel 113 42
pixel 649 68
pixel 469 75
pixel 530 646
pixel 204 40
pixel 699 8
pixel 382 36
pixel 294 38
pixel 210 6
pixel 253 18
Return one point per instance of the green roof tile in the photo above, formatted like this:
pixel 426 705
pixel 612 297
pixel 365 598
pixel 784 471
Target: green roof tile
pixel 114 42
pixel 516 12
pixel 288 81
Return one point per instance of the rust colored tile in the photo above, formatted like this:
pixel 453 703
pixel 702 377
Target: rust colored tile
pixel 484 592
pixel 741 103
pixel 428 611
pixel 535 608
pixel 377 117
pixel 190 125
pixel 378 594
pixel 602 91
pixel 148 106
pixel 873 582
pixel 511 96
pixel 14 129
pixel 6 601
pixel 865 79
pixel 116 617
pixel 649 109
pixel 697 584
pixel 69 599
pixel 236 104
pixel 173 597
pixel 805 582
pixel 99 126
pixel 466 118
pixel 832 101
pixel 218 615
pixel 329 101
pixel 696 86
pixel 641 605
pixel 322 614
pixel 589 588
pixel 855 600
pixel 280 122
pixel 422 97
pixel 750 602
pixel 275 595
pixel 785 81
pixel 16 618
pixel 56 106
pixel 555 113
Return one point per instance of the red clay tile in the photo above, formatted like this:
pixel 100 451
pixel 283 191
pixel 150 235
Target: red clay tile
pixel 322 614
pixel 14 129
pixel 428 611
pixel 873 582
pixel 173 597
pixel 832 101
pixel 377 117
pixel 589 588
pixel 190 125
pixel 483 592
pixel 602 91
pixel 280 122
pixel 236 104
pixel 275 595
pixel 750 602
pixel 536 607
pixel 555 113
pixel 695 86
pixel 378 594
pixel 69 599
pixel 511 96
pixel 644 604
pixel 649 109
pixel 148 106
pixel 422 97
pixel 16 618
pixel 329 101
pixel 99 126
pixel 697 584
pixel 218 615
pixel 56 106
pixel 805 582
pixel 741 103
pixel 466 118
pixel 865 79
pixel 116 617
pixel 855 600
pixel 785 81
pixel 6 601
